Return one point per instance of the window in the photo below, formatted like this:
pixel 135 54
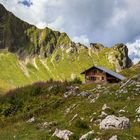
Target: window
pixel 103 78
pixel 93 78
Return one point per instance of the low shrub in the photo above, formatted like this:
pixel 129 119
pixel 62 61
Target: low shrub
pixel 81 124
pixel 76 80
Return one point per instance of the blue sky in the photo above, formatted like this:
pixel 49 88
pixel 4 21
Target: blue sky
pixel 27 3
pixel 86 21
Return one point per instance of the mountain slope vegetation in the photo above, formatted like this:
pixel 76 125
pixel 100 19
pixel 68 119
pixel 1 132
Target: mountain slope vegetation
pixel 29 54
pixel 133 71
pixel 43 108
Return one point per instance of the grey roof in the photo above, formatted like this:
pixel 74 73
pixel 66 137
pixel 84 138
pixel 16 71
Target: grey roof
pixel 114 74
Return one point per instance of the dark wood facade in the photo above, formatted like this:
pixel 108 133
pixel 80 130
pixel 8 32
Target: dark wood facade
pixel 97 75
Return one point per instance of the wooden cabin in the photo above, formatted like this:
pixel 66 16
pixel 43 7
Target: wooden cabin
pixel 97 74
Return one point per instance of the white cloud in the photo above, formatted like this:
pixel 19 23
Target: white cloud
pixel 41 25
pixel 134 50
pixel 81 39
pixel 136 60
pixel 57 24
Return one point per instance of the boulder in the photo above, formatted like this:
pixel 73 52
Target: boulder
pixel 122 111
pixel 85 136
pixel 114 138
pixel 70 50
pixel 31 120
pixel 113 122
pixel 105 107
pixel 97 139
pixel 138 110
pixel 46 125
pixel 138 120
pixel 84 94
pixel 62 134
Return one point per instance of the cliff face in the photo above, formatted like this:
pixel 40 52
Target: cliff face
pixel 20 37
pixel 12 31
pixel 37 54
pixel 119 56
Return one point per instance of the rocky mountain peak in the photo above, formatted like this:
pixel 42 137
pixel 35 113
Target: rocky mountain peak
pixel 2 8
pixel 122 48
pixel 119 57
pixel 96 47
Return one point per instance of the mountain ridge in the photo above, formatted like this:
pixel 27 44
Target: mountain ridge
pixel 34 33
pixel 42 54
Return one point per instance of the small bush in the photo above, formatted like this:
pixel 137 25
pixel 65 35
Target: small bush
pixel 76 80
pixel 81 124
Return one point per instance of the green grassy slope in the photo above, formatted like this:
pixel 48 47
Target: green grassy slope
pixel 29 54
pixel 46 103
pixel 61 65
pixel 133 71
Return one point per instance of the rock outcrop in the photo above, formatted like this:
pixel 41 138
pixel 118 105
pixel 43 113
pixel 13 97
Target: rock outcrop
pixel 138 110
pixel 32 120
pixel 96 47
pixel 85 136
pixel 114 138
pixel 113 122
pixel 62 134
pixel 119 57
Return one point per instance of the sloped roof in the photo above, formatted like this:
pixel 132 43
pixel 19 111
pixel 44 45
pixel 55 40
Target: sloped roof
pixel 112 73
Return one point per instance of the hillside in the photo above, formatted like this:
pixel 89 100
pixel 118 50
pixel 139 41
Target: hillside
pixel 45 110
pixel 133 71
pixel 41 95
pixel 28 54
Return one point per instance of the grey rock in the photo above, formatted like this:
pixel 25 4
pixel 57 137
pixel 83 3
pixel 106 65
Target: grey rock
pixel 96 47
pixel 138 110
pixel 84 94
pixel 46 125
pixel 113 122
pixel 31 120
pixel 122 111
pixel 62 134
pixel 138 120
pixel 85 136
pixel 105 107
pixel 114 138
